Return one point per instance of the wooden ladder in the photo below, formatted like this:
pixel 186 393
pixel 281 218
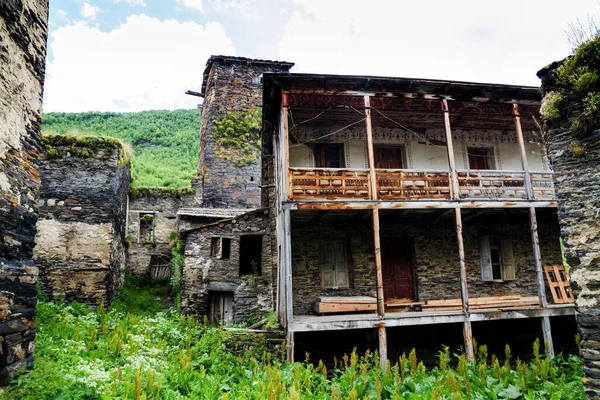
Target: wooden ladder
pixel 558 281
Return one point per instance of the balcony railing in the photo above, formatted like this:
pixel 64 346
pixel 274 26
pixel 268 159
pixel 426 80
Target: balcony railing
pixel 401 184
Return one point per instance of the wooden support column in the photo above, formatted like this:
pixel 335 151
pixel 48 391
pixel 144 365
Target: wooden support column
pixel 383 356
pixel 521 141
pixel 286 148
pixel 455 187
pixel 467 331
pixel 546 330
pixel 289 300
pixel 373 187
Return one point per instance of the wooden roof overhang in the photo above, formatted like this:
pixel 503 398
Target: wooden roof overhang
pixel 415 103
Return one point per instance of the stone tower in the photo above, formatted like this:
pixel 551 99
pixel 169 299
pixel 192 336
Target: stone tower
pixel 230 84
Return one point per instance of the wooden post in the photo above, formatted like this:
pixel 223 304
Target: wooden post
pixel 289 300
pixel 374 196
pixel 289 346
pixel 467 332
pixel 547 332
pixel 450 148
pixel 528 184
pixel 383 357
pixel 287 194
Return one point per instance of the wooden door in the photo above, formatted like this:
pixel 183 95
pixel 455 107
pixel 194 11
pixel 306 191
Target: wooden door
pixel 397 268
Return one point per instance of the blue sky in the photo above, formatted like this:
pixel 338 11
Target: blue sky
pixel 131 55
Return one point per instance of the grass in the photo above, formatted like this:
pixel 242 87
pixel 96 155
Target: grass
pixel 141 350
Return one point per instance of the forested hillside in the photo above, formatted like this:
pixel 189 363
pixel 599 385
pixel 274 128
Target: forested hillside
pixel 165 143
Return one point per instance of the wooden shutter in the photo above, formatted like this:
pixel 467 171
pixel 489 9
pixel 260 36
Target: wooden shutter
pixel 509 268
pixel 216 250
pixel 327 265
pixel 341 263
pixel 485 259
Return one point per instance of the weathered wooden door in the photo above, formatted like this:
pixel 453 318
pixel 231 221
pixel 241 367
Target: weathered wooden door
pixel 221 308
pixel 397 268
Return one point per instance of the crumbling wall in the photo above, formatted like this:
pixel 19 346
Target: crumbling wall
pixel 23 32
pixel 163 204
pixel 575 157
pixel 230 85
pixel 204 273
pixel 80 242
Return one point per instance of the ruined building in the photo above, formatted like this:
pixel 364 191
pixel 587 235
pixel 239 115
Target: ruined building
pixel 23 33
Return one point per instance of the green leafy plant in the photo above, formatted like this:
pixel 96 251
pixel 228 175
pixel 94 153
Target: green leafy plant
pixel 551 106
pixel 237 136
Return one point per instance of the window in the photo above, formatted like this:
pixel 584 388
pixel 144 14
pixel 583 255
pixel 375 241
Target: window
pixel 334 263
pixel 146 233
pixel 220 247
pixel 250 255
pixel 496 258
pixel 481 158
pixel 389 157
pixel 329 155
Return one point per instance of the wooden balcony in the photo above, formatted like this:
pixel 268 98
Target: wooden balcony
pixel 406 185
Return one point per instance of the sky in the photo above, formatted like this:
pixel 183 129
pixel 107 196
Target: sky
pixel 134 55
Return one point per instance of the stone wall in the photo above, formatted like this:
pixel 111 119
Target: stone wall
pixel 577 183
pixel 23 32
pixel 435 255
pixel 80 242
pixel 164 205
pixel 203 273
pixel 230 84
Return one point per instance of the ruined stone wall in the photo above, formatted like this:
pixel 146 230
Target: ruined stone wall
pixel 81 230
pixel 23 32
pixel 232 85
pixel 435 257
pixel 577 183
pixel 203 273
pixel 164 205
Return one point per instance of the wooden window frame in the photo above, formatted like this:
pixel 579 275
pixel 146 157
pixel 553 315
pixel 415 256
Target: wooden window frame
pixel 217 245
pixel 508 267
pixel 403 155
pixel 491 157
pixel 319 153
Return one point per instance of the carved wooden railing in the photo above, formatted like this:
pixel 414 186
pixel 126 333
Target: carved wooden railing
pixel 397 184
pixel 488 184
pixel 329 183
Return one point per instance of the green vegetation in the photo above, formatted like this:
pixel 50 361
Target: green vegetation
pixel 177 260
pixel 138 350
pixel 551 106
pixel 237 136
pixel 165 143
pixel 60 146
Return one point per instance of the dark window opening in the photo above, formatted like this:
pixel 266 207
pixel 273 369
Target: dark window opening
pixel 146 228
pixel 220 247
pixel 481 158
pixel 389 157
pixel 251 255
pixel 329 155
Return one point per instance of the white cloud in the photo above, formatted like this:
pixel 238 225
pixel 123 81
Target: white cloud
pixel 194 4
pixel 473 40
pixel 62 14
pixel 89 11
pixel 132 2
pixel 143 64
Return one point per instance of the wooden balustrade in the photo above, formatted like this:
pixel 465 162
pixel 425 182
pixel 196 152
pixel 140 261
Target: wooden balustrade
pixel 413 185
pixel 397 184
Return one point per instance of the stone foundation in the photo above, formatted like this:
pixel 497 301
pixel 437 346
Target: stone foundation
pixel 81 233
pixel 23 32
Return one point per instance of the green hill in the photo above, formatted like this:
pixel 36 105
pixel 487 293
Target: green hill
pixel 165 143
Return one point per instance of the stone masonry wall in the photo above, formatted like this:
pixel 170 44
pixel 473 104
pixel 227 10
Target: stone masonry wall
pixel 165 206
pixel 81 230
pixel 577 183
pixel 202 272
pixel 435 257
pixel 23 32
pixel 231 85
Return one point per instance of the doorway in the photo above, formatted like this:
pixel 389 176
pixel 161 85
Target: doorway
pixel 398 268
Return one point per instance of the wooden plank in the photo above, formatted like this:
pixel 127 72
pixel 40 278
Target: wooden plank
pixel 325 308
pixel 537 255
pixel 348 299
pixel 450 149
pixel 370 149
pixel 286 145
pixel 467 333
pixel 417 205
pixel 287 248
pixel 523 153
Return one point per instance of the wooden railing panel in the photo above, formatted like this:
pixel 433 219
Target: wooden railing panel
pixel 488 184
pixel 329 183
pixel 412 185
pixel 542 185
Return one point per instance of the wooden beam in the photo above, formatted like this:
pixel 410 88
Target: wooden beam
pixel 370 150
pixel 416 205
pixel 289 346
pixel 287 249
pixel 547 332
pixel 450 148
pixel 379 274
pixel 537 255
pixel 383 354
pixel 467 332
pixel 286 146
pixel 521 142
